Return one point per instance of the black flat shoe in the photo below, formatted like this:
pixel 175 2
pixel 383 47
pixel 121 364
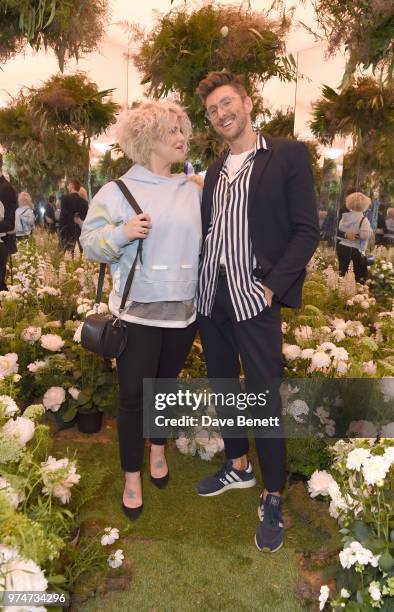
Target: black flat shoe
pixel 162 482
pixel 132 513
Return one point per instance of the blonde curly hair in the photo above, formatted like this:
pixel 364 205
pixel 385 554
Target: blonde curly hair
pixel 24 199
pixel 357 201
pixel 139 128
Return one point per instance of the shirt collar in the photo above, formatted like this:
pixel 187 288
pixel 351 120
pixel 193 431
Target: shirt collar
pixel 260 143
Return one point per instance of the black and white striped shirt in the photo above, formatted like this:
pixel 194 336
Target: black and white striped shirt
pixel 229 230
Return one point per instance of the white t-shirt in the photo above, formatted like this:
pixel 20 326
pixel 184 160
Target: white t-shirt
pixel 234 163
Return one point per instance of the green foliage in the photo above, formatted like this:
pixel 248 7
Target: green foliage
pixel 46 131
pixel 363 108
pixel 280 124
pixel 70 27
pixel 187 43
pixel 304 456
pixel 366 29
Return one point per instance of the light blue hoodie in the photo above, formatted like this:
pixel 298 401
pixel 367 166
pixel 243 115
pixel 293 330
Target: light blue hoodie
pixel 170 253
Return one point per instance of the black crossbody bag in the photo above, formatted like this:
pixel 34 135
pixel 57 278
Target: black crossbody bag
pixel 106 334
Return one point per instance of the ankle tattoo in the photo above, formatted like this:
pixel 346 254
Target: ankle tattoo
pixel 159 463
pixel 130 494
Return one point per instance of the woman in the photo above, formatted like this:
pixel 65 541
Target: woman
pixel 389 235
pixel 355 231
pixel 24 216
pixel 160 312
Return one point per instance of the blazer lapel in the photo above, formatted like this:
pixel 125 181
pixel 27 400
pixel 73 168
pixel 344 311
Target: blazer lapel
pixel 209 187
pixel 260 164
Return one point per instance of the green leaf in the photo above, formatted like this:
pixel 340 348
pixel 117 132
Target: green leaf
pixel 58 579
pixel 69 414
pixel 386 561
pixel 361 531
pixel 84 397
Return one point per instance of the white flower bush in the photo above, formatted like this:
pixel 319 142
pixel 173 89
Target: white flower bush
pixel 360 485
pixel 31 334
pixel 21 428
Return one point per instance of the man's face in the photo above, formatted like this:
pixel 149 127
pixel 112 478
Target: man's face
pixel 228 112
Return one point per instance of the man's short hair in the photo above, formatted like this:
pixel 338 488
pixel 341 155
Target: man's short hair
pixel 217 79
pixel 75 183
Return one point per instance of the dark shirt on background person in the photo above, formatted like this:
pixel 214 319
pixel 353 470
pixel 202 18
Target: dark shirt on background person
pixel 8 197
pixel 71 205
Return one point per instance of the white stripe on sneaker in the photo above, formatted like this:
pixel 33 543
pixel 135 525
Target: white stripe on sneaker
pixel 235 476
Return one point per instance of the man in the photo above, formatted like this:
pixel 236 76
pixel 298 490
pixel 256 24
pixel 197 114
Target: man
pixel 8 198
pixel 260 229
pixel 73 210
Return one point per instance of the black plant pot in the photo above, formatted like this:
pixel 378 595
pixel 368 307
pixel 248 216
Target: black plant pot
pixel 90 421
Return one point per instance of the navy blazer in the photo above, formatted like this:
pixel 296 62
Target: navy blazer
pixel 282 215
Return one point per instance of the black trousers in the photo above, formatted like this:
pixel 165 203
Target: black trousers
pixel 347 254
pixel 3 266
pixel 258 342
pixel 151 352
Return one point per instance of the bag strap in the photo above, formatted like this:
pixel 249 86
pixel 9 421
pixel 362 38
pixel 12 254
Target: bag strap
pixel 135 206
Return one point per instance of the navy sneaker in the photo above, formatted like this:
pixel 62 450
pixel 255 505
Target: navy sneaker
pixel 226 478
pixel 269 533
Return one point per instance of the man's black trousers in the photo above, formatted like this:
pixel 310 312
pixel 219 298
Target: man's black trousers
pixel 258 343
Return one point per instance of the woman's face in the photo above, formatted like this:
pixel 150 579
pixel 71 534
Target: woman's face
pixel 173 149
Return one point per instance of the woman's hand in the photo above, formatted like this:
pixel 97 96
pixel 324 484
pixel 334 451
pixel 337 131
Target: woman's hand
pixel 138 227
pixel 350 236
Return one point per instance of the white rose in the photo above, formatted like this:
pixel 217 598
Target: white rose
pixel 307 353
pixel 291 351
pixel 320 482
pixel 224 31
pixel 31 334
pixel 54 398
pixel 19 574
pixel 357 457
pixel 8 406
pixel 8 364
pixel 21 427
pixel 36 366
pixel 320 360
pixel 338 334
pixel 52 342
pixel 375 469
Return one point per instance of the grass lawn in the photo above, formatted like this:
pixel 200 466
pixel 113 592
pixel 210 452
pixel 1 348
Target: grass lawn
pixel 189 553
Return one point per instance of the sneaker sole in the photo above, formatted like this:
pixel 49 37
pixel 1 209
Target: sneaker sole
pixel 266 549
pixel 234 485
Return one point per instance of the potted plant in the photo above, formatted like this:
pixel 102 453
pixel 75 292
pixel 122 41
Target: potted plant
pixel 94 392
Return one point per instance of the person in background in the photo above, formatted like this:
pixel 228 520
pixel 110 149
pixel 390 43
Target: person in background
pixel 83 193
pixel 381 228
pixel 389 235
pixel 49 214
pixel 24 216
pixel 57 214
pixel 72 206
pixel 356 228
pixel 8 198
